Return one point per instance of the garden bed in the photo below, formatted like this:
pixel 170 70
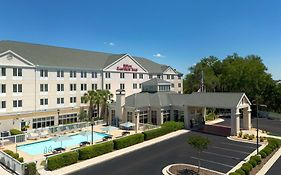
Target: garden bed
pixel 183 169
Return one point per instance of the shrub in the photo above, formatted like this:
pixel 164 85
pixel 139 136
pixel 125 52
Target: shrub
pixel 262 139
pixel 251 137
pixel 14 155
pixel 245 136
pixel 128 141
pixel 20 159
pixel 240 172
pixel 249 165
pixel 253 162
pixel 173 125
pixel 15 131
pixel 246 169
pixel 240 134
pixel 95 150
pixel 62 160
pixel 156 133
pixel 263 154
pixel 256 158
pixel 234 173
pixel 267 150
pixel 30 169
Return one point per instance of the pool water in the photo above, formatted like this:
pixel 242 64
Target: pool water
pixel 48 145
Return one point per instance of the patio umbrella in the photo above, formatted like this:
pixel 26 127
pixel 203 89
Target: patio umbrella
pixel 127 125
pixel 85 133
pixel 61 139
pixel 109 128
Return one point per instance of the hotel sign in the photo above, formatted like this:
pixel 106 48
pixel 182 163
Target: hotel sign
pixel 127 67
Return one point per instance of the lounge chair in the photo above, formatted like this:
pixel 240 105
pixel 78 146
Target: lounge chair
pixel 2 142
pixel 32 136
pixel 44 134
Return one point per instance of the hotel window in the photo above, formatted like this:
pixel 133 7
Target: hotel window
pixel 130 116
pixel 60 87
pixel 43 87
pixel 72 74
pixel 60 73
pixel 60 100
pixel 107 86
pixel 68 118
pixel 179 85
pixel 107 74
pixel 179 77
pixel 17 88
pixel 17 103
pixel 43 101
pixel 172 85
pixel 166 115
pixel 122 75
pixel 135 86
pixel 150 76
pixel 72 99
pixel 3 88
pixel 135 76
pixel 122 86
pixel 168 77
pixel 43 73
pixel 159 76
pixel 72 87
pixel 3 72
pixel 17 72
pixel 143 117
pixel 3 105
pixel 83 87
pixel 94 86
pixel 172 77
pixel 83 74
pixel 140 76
pixel 140 86
pixel 43 122
pixel 94 75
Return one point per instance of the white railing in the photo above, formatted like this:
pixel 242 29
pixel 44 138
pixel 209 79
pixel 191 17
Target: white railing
pixel 12 139
pixel 12 163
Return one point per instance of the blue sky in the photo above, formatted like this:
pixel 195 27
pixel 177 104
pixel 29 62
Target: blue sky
pixel 178 33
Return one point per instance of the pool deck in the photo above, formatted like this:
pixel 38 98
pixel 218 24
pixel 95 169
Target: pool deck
pixel 39 158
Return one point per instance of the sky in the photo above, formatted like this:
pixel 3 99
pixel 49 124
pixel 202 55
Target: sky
pixel 174 32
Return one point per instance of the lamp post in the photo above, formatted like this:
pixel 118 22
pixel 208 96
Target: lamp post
pixel 59 115
pixel 257 120
pixel 92 133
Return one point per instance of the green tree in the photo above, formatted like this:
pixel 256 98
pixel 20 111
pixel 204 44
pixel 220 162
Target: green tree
pixel 105 96
pixel 200 144
pixel 83 116
pixel 91 98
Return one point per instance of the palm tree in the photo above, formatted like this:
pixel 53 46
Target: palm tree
pixel 91 98
pixel 106 96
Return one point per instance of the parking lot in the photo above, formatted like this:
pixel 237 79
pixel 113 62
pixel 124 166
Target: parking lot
pixel 222 155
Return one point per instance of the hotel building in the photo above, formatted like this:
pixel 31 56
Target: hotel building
pixel 42 85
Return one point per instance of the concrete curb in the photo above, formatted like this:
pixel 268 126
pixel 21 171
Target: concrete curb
pixel 108 156
pixel 269 163
pixel 166 171
pixel 248 157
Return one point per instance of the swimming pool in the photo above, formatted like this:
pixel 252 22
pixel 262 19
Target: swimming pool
pixel 48 145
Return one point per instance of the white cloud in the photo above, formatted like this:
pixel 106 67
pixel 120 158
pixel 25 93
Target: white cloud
pixel 158 55
pixel 109 43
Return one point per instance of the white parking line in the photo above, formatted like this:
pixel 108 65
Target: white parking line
pixel 231 157
pixel 210 161
pixel 238 145
pixel 231 150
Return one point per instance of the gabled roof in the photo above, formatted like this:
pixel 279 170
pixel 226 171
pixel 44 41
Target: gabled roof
pixel 155 81
pixel 51 56
pixel 210 100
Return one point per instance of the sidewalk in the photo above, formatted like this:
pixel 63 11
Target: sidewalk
pixel 3 171
pixel 108 156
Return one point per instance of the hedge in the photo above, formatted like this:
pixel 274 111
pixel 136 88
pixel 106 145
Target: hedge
pixel 62 160
pixel 30 169
pixel 263 154
pixel 256 158
pixel 14 155
pixel 128 141
pixel 246 169
pixel 173 125
pixel 253 162
pixel 95 150
pixel 240 172
pixel 15 132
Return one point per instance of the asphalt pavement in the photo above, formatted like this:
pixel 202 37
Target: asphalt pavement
pixel 222 155
pixel 275 169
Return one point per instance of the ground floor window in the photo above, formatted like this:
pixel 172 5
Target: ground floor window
pixel 154 117
pixel 43 122
pixel 143 117
pixel 130 116
pixel 68 118
pixel 166 115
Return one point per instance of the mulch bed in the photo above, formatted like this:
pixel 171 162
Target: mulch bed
pixel 189 170
pixel 263 162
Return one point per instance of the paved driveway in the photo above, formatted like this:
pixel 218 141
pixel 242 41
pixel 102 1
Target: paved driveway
pixel 275 169
pixel 222 155
pixel 273 126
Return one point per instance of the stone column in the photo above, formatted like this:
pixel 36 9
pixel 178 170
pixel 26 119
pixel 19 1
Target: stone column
pixel 110 116
pixel 186 117
pixel 204 113
pixel 137 120
pixel 235 121
pixel 247 118
pixel 161 117
pixel 172 115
